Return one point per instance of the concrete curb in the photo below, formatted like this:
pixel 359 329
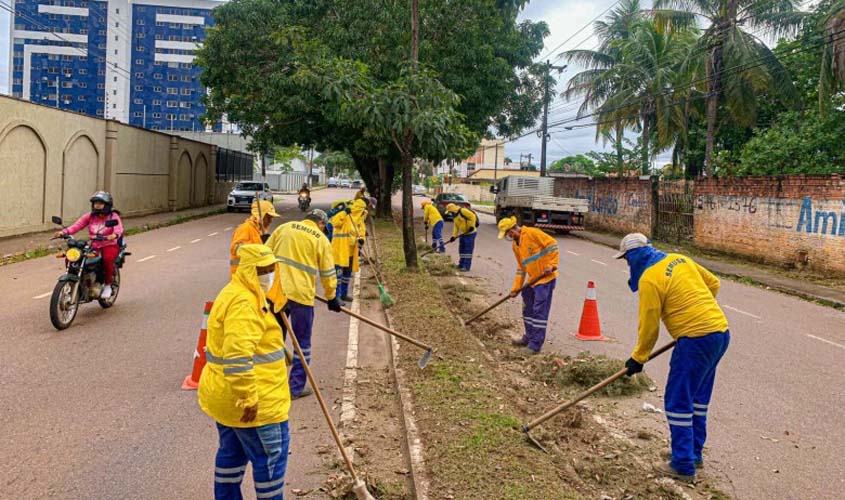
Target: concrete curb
pixel 413 441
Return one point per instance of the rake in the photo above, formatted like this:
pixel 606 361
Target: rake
pixel 385 297
pixel 423 361
pixel 505 298
pixel 526 429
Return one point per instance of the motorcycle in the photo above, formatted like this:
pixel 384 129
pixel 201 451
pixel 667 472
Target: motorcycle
pixel 84 278
pixel 304 201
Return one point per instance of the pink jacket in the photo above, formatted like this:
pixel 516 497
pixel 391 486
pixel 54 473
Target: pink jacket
pixel 97 224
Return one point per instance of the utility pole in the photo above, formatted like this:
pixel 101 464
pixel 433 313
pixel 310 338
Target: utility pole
pixel 545 137
pixel 496 163
pixel 310 164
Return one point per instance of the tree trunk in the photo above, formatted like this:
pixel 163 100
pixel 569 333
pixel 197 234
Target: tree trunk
pixel 646 119
pixel 409 243
pixel 713 89
pixel 620 160
pixel 386 173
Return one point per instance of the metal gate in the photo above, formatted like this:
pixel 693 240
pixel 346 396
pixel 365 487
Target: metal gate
pixel 674 212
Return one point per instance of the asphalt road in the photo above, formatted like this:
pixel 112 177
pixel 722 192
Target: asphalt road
pixel 95 411
pixel 776 426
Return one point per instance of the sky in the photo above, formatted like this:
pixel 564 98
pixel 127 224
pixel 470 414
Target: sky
pixel 564 17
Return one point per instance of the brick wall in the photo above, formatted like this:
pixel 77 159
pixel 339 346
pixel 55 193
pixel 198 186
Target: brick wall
pixel 616 205
pixel 793 220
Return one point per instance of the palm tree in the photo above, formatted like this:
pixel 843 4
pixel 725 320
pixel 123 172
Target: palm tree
pixel 647 73
pixel 738 64
pixel 832 25
pixel 597 83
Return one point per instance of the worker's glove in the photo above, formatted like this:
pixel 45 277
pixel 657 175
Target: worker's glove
pixel 453 238
pixel 361 242
pixel 513 294
pixel 633 367
pixel 348 211
pixel 334 305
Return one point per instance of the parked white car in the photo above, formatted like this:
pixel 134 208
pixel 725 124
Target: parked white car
pixel 419 190
pixel 345 183
pixel 243 194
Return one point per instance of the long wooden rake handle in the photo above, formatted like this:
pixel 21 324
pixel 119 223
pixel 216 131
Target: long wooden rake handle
pixel 507 297
pixel 589 392
pixel 380 326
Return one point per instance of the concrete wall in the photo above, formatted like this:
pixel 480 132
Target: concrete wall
pixel 792 221
pixel 286 182
pixel 472 192
pixel 616 205
pixel 51 162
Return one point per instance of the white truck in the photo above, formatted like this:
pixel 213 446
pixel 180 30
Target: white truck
pixel 532 201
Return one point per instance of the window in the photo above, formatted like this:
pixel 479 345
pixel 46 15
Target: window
pixel 114 106
pixel 158 36
pixel 139 75
pixel 80 98
pixel 53 17
pixel 140 48
pixel 137 114
pixel 172 65
pixel 115 78
pixel 115 51
pixel 117 11
pixel 157 76
pixel 156 115
pixel 82 85
pixel 67 58
pixel 173 38
pixel 172 78
pixel 138 88
pixel 101 46
pixel 140 34
pixel 67 72
pixel 116 38
pixel 53 71
pixel 101 72
pixel 175 26
pixel 83 31
pixel 140 22
pixel 185 65
pixel 101 99
pixel 101 32
pixel 18 53
pixel 100 86
pixel 139 62
pixel 17 81
pixel 99 112
pixel 83 71
pixel 186 91
pixel 156 102
pixel 185 105
pixel 159 23
pixel 172 91
pixel 170 116
pixel 52 57
pixel 18 68
pixel 83 58
pixel 101 60
pixel 138 101
pixel 171 104
pixel 183 117
pixel 157 89
pixel 67 85
pixel 114 92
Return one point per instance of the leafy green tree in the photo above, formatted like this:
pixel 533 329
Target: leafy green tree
pixel 335 162
pixel 573 163
pixel 285 156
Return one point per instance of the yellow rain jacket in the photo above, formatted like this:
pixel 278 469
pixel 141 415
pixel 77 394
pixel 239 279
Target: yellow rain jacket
pixel 304 253
pixel 534 252
pixel 245 353
pixel 248 232
pixel 431 216
pixel 465 221
pixel 343 239
pixel 681 293
pixel 359 229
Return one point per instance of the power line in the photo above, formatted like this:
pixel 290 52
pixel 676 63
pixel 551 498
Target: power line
pixel 605 11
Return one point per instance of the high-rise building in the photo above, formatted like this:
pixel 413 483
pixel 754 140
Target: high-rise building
pixel 128 60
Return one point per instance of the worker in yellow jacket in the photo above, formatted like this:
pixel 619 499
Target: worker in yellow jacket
pixel 432 219
pixel 676 289
pixel 343 249
pixel 358 212
pixel 536 254
pixel 304 253
pixel 244 386
pixel 252 230
pixel 466 226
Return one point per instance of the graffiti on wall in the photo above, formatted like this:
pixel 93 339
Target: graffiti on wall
pixel 613 203
pixel 780 213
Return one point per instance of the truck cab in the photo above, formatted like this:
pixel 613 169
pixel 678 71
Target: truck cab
pixel 532 201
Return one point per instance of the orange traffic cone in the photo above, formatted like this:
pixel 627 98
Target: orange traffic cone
pixel 590 329
pixel 192 381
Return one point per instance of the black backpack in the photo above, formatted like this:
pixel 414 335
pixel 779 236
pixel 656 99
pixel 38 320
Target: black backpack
pixel 477 219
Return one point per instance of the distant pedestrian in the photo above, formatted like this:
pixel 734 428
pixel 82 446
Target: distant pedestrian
pixel 465 228
pixel 536 254
pixel 253 230
pixel 676 289
pixel 244 384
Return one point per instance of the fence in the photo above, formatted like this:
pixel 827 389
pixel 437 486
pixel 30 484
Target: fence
pixel 234 166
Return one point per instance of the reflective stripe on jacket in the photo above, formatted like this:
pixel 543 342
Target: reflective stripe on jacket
pixel 465 221
pixel 683 294
pixel 245 354
pixel 304 253
pixel 343 241
pixel 534 252
pixel 247 232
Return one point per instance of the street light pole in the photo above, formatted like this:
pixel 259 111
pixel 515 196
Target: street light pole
pixel 545 137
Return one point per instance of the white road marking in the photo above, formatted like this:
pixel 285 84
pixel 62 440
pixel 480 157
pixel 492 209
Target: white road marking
pixel 43 295
pixel 173 249
pixel 350 372
pixel 572 253
pixel 826 341
pixel 196 240
pixel 598 262
pixel 147 258
pixel 228 228
pixel 214 234
pixel 741 311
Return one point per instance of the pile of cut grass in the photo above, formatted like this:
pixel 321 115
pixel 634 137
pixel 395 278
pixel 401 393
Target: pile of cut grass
pixel 586 370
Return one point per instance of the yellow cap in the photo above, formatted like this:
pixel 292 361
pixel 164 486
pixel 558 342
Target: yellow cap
pixel 254 255
pixel 506 225
pixel 267 208
pixel 424 203
pixel 451 207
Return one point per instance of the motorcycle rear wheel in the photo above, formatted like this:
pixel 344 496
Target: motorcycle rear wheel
pixel 62 309
pixel 115 287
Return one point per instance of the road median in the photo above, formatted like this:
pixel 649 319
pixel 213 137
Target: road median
pixel 469 404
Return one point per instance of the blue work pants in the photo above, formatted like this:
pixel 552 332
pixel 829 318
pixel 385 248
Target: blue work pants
pixel 437 242
pixel 344 277
pixel 265 446
pixel 466 246
pixel 536 304
pixel 302 322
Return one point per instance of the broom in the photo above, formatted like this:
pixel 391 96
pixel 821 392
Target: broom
pixel 385 297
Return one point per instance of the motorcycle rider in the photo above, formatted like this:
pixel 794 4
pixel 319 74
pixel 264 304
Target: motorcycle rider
pixel 102 209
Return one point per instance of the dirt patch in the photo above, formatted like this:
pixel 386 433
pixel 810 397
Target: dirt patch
pixel 472 399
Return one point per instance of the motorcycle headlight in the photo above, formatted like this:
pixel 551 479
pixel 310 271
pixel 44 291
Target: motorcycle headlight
pixel 73 254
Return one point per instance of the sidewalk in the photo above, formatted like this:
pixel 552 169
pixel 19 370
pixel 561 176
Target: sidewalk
pixel 800 288
pixel 803 289
pixel 13 248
